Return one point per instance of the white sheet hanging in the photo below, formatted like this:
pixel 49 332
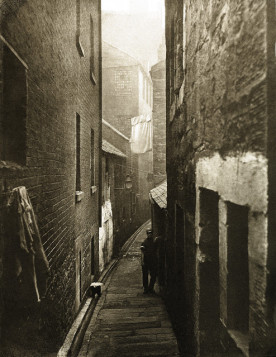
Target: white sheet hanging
pixel 141 134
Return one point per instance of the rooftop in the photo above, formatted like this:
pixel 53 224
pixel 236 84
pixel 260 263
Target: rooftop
pixel 114 129
pixel 110 149
pixel 159 195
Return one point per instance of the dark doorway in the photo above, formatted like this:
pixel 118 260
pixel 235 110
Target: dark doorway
pixel 237 264
pixel 208 268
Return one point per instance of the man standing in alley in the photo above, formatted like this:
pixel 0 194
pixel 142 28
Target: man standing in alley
pixel 149 262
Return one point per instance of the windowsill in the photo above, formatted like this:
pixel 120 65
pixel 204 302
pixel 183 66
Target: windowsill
pixel 79 196
pixel 93 77
pixel 11 165
pixel 93 189
pixel 241 339
pixel 79 47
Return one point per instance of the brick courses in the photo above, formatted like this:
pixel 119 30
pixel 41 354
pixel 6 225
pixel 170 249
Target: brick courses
pixel 158 76
pixel 59 86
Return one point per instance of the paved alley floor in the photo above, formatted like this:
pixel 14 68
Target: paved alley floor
pixel 126 322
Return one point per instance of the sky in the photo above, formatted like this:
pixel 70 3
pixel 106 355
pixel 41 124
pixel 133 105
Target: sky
pixel 130 6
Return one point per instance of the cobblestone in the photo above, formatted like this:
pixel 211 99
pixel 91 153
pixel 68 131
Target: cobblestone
pixel 126 322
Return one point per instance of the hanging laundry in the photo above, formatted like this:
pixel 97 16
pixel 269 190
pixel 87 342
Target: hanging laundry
pixel 26 267
pixel 141 134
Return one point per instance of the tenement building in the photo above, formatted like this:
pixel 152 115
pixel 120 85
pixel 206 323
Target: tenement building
pixel 220 248
pixel 158 76
pixel 119 194
pixel 127 105
pixel 50 130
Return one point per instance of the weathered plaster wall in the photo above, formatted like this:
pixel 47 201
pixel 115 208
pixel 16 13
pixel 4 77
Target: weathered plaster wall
pixel 241 180
pixel 217 111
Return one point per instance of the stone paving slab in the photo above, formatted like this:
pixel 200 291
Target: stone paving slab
pixel 126 322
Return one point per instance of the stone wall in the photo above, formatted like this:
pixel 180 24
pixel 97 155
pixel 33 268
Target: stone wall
pixel 56 56
pixel 217 113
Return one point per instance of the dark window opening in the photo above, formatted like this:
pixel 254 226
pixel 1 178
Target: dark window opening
pixel 180 239
pixel 80 274
pixel 92 51
pixel 172 60
pixel 14 108
pixel 237 264
pixel 92 158
pixel 78 26
pixel 78 146
pixel 78 18
pixel 92 256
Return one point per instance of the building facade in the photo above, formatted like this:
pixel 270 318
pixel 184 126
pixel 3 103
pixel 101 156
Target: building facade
pixel 158 76
pixel 127 94
pixel 50 138
pixel 118 201
pixel 220 79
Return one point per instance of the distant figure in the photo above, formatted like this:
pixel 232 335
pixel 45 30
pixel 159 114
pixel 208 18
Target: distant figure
pixel 149 262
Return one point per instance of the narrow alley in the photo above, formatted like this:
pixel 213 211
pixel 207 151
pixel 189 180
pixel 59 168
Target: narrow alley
pixel 130 121
pixel 127 322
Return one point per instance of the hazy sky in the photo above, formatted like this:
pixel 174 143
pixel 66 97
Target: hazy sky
pixel 131 6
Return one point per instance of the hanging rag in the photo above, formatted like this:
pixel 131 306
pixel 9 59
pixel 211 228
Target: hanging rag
pixel 141 134
pixel 27 268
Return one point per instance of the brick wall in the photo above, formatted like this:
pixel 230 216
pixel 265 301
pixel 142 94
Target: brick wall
pixel 158 76
pixel 59 86
pixel 120 105
pixel 217 106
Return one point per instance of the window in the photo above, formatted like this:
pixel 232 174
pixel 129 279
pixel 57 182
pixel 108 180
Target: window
pixel 172 59
pixel 92 51
pixel 78 146
pixel 180 240
pixel 184 35
pixel 13 118
pixel 93 256
pixel 92 159
pixel 123 82
pixel 80 282
pixel 78 23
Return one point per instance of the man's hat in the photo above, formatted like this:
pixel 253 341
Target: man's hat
pixel 149 231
